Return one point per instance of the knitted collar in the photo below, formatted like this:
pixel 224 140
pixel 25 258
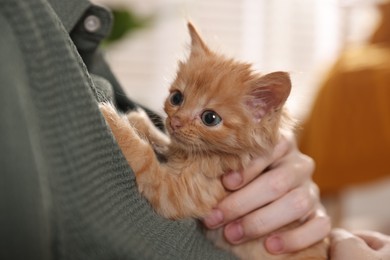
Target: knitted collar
pixel 69 11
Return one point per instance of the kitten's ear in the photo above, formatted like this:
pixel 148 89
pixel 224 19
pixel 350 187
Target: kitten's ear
pixel 197 44
pixel 268 93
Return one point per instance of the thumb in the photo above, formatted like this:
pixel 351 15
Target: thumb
pixel 345 245
pixel 374 240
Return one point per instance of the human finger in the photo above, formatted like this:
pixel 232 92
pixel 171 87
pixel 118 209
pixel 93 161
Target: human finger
pixel 291 240
pixel 235 180
pixel 373 239
pixel 272 185
pixel 345 245
pixel 263 221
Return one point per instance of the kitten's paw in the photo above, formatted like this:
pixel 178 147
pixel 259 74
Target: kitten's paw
pixel 138 118
pixel 110 114
pixel 107 109
pixel 141 121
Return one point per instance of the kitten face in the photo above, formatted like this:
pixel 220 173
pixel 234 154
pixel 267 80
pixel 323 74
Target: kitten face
pixel 205 108
pixel 218 104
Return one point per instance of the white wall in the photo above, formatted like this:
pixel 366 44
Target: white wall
pixel 299 36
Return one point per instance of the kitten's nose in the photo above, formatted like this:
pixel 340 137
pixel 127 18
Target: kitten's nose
pixel 175 123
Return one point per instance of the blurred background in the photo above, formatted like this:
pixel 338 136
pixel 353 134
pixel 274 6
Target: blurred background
pixel 311 39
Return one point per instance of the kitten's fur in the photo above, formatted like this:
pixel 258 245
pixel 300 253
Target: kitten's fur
pixel 188 183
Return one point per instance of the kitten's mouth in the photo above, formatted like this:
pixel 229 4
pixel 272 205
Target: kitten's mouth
pixel 168 126
pixel 174 134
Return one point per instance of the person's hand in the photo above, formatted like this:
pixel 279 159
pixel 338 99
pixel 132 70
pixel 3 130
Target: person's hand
pixel 360 245
pixel 272 192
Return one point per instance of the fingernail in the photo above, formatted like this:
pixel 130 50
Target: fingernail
pixel 234 232
pixel 232 179
pixel 274 244
pixel 214 218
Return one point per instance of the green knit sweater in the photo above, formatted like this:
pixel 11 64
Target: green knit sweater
pixel 66 192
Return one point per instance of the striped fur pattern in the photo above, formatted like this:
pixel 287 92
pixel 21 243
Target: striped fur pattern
pixel 220 115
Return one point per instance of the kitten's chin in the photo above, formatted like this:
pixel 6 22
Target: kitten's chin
pixel 177 139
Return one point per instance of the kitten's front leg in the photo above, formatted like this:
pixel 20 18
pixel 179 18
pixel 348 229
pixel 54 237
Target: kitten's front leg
pixel 136 150
pixel 140 120
pixel 168 188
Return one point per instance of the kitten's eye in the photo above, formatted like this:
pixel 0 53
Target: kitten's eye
pixel 210 118
pixel 176 98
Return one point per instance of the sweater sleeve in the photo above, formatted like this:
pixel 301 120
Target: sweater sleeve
pixel 24 219
pixel 66 190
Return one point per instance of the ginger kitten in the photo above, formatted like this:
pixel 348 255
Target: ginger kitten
pixel 220 115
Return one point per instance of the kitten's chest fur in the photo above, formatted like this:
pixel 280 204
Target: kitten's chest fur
pixel 209 164
pixel 191 182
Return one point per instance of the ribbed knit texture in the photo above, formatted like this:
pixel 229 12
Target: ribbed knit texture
pixel 89 191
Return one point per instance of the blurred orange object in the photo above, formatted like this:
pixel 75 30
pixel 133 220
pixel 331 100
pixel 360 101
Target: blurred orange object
pixel 348 130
